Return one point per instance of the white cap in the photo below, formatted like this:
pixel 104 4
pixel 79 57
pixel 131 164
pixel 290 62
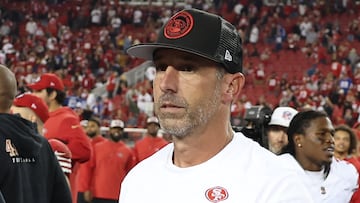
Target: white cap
pixel 152 119
pixel 282 116
pixel 84 123
pixel 117 124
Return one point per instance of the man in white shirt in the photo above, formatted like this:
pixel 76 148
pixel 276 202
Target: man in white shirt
pixel 311 153
pixel 198 60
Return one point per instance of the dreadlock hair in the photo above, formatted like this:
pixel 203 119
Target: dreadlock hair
pixel 298 125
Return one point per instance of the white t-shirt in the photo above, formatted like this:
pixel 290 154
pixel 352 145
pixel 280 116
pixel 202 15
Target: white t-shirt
pixel 339 185
pixel 242 172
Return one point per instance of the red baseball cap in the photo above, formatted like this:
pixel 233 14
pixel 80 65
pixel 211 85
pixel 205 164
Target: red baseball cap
pixel 34 103
pixel 47 80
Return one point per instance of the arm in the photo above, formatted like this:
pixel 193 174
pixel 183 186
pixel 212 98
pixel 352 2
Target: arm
pixel 132 161
pixel 135 151
pixel 87 176
pixel 60 190
pixel 76 139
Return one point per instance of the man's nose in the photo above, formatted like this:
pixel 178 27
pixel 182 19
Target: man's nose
pixel 169 79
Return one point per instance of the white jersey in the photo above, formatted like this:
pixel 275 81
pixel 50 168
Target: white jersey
pixel 242 172
pixel 339 185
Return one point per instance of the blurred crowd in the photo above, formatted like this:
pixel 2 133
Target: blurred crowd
pixel 296 53
pixel 84 43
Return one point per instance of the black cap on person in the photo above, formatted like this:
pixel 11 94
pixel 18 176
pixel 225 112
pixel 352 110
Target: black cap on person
pixel 200 33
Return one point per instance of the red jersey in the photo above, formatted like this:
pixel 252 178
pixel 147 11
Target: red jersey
pixel 85 169
pixel 354 161
pixel 112 161
pixel 63 124
pixel 148 146
pixel 111 83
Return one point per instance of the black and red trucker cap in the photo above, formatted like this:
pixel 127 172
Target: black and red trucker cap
pixel 198 32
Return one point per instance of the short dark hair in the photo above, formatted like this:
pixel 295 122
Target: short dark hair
pixel 60 95
pixel 95 119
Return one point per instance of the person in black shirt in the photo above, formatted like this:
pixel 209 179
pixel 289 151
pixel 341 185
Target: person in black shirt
pixel 29 170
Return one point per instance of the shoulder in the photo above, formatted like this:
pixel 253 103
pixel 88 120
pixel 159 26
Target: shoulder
pixel 288 160
pixel 64 119
pixel 153 163
pixel 344 169
pixel 125 147
pixel 272 174
pixel 141 141
pixel 252 149
pixel 249 154
pixel 101 144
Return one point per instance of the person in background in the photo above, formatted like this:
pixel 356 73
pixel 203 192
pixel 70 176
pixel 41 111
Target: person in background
pixel 112 160
pixel 345 149
pixel 84 180
pixel 198 60
pixel 34 109
pixel 29 172
pixel 345 145
pixel 151 143
pixel 84 124
pixel 63 124
pixel 276 129
pixel 311 152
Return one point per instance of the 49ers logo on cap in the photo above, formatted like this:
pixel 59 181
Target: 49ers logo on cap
pixel 216 194
pixel 179 25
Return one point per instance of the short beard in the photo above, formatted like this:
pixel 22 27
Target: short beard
pixel 91 134
pixel 115 138
pixel 192 118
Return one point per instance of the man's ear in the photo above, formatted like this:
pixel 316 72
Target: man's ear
pixel 53 95
pixel 234 84
pixel 298 140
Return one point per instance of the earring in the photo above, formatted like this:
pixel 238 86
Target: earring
pixel 299 145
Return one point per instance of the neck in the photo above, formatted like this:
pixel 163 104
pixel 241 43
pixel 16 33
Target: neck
pixel 309 165
pixel 196 149
pixel 54 106
pixel 152 135
pixel 341 155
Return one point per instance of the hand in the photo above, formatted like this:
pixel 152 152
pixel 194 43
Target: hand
pixel 88 196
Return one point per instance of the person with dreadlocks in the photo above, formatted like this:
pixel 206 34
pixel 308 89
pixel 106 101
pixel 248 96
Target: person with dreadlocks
pixel 310 151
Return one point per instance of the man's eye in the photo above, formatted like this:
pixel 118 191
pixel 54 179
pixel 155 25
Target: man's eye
pixel 161 67
pixel 186 68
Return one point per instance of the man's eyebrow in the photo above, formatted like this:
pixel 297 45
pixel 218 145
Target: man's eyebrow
pixel 157 57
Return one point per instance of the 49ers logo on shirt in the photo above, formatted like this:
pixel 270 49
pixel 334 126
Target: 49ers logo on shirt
pixel 216 194
pixel 179 25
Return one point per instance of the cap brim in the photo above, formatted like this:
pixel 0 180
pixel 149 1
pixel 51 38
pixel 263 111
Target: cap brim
pixel 35 86
pixel 152 122
pixel 279 123
pixel 146 51
pixel 117 127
